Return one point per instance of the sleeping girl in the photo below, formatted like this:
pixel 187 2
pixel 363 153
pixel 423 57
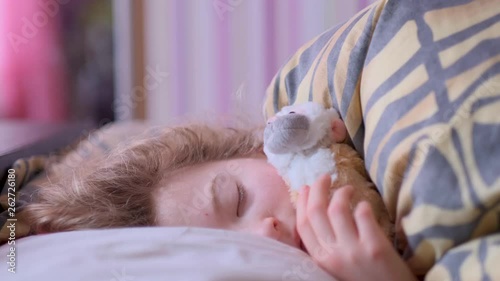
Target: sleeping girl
pixel 215 177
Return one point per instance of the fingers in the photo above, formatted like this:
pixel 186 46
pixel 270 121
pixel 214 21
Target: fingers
pixel 369 230
pixel 317 205
pixel 340 215
pixel 303 226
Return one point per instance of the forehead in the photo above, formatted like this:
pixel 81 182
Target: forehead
pixel 187 179
pixel 177 199
pixel 191 179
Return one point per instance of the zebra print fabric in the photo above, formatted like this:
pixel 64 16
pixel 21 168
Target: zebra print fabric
pixel 418 86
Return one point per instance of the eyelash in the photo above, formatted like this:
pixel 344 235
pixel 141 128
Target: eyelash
pixel 241 197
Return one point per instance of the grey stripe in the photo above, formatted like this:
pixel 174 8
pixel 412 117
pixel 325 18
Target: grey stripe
pixel 438 187
pixel 310 97
pixel 399 107
pixel 453 263
pixel 389 117
pixel 456 233
pixel 276 93
pixel 396 13
pixel 432 62
pixel 333 57
pixel 470 187
pixel 486 151
pixel 483 253
pixel 467 33
pixel 355 67
pixel 295 76
pixel 482 52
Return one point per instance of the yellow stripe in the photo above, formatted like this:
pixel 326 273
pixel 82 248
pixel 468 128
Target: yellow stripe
pixel 438 272
pixel 448 21
pixel 488 114
pixel 492 258
pixel 402 46
pixel 341 68
pixel 354 117
pixel 411 82
pixel 321 92
pixel 289 66
pixel 471 268
pixel 268 107
pixel 458 84
pixel 425 216
pixel 303 88
pixel 423 110
pixel 456 52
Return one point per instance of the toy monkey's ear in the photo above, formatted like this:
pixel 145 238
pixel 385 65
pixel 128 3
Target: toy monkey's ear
pixel 339 131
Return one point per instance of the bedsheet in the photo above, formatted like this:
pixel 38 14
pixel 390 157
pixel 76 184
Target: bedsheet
pixel 158 253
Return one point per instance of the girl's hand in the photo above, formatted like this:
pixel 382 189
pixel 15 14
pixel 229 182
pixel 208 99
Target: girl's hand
pixel 348 247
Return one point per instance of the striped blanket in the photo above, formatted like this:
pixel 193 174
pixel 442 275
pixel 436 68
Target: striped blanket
pixel 418 86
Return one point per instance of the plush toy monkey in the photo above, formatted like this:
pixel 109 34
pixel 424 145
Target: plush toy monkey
pixel 304 142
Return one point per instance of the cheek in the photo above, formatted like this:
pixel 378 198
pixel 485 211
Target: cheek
pixel 277 188
pixel 266 178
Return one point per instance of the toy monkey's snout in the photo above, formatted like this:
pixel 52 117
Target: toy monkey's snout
pixel 272 119
pixel 284 134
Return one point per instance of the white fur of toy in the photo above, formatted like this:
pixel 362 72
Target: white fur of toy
pixel 301 169
pixel 306 166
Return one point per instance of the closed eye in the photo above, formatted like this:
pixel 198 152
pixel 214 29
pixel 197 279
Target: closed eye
pixel 241 199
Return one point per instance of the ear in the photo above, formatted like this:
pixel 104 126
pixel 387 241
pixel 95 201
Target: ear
pixel 339 131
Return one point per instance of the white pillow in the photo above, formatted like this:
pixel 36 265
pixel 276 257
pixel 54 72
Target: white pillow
pixel 157 253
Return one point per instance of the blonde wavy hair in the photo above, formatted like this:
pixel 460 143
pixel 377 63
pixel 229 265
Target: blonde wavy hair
pixel 117 191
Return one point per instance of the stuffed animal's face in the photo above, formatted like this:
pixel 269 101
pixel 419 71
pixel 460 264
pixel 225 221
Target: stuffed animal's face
pixel 299 127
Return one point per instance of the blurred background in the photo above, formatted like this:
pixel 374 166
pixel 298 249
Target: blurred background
pixel 158 60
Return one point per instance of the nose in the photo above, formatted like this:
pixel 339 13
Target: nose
pixel 270 227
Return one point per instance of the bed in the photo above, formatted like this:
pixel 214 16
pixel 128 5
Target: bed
pixel 124 254
pixel 158 253
pixel 419 92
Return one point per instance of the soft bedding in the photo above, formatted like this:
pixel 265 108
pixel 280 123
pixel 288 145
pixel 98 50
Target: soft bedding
pixel 418 86
pixel 158 253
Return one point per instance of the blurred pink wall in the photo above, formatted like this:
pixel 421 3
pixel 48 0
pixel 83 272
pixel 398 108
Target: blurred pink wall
pixel 202 56
pixel 32 80
pixel 32 74
pixel 220 55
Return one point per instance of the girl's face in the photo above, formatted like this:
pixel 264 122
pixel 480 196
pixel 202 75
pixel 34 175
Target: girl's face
pixel 244 195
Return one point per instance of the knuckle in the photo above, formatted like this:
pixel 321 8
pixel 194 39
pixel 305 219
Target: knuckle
pixel 341 193
pixel 335 263
pixel 336 208
pixel 365 214
pixel 376 252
